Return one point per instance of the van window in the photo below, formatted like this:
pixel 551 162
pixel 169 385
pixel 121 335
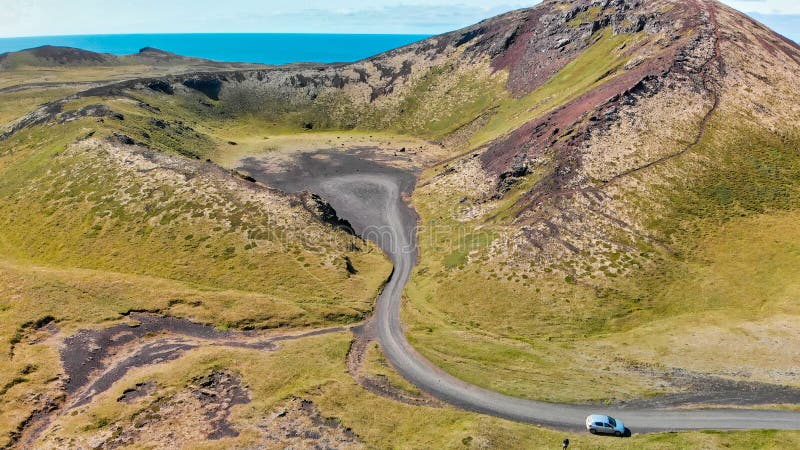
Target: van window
pixel 598 424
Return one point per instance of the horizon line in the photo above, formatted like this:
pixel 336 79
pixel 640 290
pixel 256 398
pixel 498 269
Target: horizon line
pixel 220 33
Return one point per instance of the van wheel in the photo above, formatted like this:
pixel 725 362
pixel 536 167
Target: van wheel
pixel 617 434
pixel 593 431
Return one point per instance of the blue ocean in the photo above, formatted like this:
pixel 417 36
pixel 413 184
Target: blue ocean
pixel 251 48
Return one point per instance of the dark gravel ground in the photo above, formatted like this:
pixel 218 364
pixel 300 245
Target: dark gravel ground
pixel 702 389
pixel 86 351
pixel 310 171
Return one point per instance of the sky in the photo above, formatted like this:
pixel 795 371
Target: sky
pixel 66 17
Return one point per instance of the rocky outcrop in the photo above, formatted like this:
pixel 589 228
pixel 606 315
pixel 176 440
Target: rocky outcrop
pixel 545 134
pixel 162 86
pixel 209 86
pixel 326 213
pixel 52 112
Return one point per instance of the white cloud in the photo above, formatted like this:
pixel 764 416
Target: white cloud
pixel 53 17
pixel 766 6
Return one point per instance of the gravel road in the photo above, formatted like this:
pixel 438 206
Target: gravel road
pixel 372 202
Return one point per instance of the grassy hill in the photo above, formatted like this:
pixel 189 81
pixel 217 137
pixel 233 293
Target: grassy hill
pixel 95 226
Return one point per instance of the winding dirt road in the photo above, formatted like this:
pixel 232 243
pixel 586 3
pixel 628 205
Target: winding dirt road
pixel 371 198
pixel 375 200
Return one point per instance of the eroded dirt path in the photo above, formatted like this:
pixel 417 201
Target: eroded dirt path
pixel 94 359
pixel 364 336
